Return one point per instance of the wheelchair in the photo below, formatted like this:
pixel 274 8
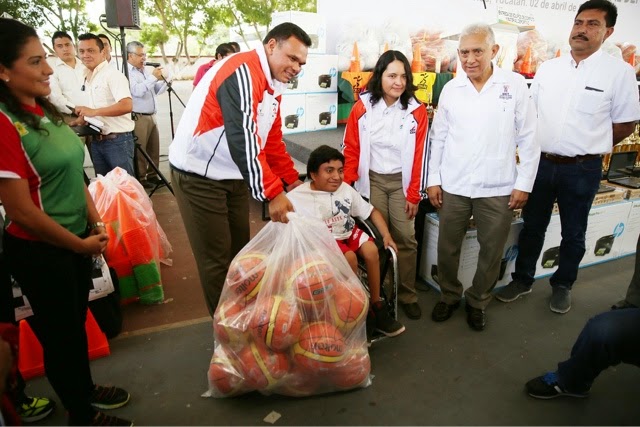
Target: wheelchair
pixel 388 276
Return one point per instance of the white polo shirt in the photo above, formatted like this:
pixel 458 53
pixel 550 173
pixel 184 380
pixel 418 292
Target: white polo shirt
pixel 106 86
pixel 386 144
pixel 475 134
pixel 66 82
pixel 577 105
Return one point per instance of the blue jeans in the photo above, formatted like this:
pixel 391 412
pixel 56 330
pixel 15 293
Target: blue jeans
pixel 608 339
pixel 111 153
pixel 574 186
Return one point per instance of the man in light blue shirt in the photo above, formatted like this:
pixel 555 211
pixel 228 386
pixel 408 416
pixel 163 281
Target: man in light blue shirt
pixel 145 85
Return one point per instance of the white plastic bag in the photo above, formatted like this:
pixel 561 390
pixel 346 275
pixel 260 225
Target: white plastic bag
pixel 291 318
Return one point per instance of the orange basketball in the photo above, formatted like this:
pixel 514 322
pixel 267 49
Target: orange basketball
pixel 321 346
pixel 262 367
pixel 348 306
pixel 245 276
pixel 276 323
pixel 300 382
pixel 230 323
pixel 353 370
pixel 224 377
pixel 312 281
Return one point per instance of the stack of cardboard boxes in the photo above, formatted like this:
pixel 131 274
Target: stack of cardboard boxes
pixel 612 232
pixel 311 100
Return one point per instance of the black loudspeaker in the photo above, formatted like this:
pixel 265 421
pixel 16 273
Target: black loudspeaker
pixel 122 13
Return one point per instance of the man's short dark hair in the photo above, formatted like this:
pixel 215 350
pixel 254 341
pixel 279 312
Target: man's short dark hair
pixel 104 36
pixel 285 30
pixel 90 36
pixel 236 46
pixel 610 10
pixel 322 154
pixel 59 35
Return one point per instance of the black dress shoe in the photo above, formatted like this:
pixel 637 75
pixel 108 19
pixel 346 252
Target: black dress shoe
pixel 442 311
pixel 412 310
pixel 476 318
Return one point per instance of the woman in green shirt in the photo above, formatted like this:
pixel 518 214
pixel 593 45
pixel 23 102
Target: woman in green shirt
pixel 52 228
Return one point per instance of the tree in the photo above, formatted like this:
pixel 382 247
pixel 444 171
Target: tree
pixel 162 10
pixel 23 10
pixel 176 18
pixel 184 12
pixel 257 13
pixel 153 36
pixel 64 15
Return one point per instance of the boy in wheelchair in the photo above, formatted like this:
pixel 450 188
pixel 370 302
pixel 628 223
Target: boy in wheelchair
pixel 327 198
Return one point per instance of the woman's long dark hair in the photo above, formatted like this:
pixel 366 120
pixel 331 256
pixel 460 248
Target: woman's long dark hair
pixel 14 35
pixel 374 86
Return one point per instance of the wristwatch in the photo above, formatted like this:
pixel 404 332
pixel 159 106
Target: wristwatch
pixel 96 224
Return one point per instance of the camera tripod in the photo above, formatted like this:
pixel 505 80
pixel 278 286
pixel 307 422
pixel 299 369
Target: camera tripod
pixel 170 91
pixel 163 179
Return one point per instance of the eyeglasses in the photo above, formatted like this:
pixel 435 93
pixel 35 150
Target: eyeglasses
pixel 142 55
pixel 83 84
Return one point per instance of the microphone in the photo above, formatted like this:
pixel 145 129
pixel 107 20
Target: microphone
pixel 153 64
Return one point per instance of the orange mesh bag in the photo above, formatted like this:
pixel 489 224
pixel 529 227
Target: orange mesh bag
pixel 137 244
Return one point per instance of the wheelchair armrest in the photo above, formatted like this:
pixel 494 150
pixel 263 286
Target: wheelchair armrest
pixel 368 226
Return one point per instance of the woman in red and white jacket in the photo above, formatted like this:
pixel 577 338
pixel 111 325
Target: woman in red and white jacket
pixel 385 150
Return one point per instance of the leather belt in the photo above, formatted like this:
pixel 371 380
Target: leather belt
pixel 556 158
pixel 112 135
pixel 144 114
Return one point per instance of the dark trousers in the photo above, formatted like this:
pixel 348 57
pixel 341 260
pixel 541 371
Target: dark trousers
pixel 216 218
pixel 57 282
pixel 608 339
pixel 574 186
pixel 108 154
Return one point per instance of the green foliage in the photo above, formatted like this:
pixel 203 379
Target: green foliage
pixel 152 36
pixel 64 15
pixel 23 10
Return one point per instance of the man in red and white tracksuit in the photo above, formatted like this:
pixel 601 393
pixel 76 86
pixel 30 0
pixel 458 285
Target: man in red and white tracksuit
pixel 230 138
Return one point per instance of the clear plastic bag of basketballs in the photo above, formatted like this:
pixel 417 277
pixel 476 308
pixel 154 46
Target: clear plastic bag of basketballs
pixel 291 318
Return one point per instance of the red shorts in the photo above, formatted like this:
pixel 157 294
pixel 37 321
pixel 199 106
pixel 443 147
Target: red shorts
pixel 353 243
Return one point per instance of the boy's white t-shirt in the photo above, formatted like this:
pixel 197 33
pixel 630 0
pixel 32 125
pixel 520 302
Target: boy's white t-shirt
pixel 336 209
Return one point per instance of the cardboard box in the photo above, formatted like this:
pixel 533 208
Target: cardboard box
pixel 618 195
pixel 605 233
pixel 292 112
pixel 321 73
pixel 547 262
pixel 603 239
pixel 629 193
pixel 321 111
pixel 468 254
pixel 631 230
pixel 312 23
pixel 298 83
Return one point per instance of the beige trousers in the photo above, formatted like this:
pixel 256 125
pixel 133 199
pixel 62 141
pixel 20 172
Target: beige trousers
pixel 146 132
pixel 388 197
pixel 493 219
